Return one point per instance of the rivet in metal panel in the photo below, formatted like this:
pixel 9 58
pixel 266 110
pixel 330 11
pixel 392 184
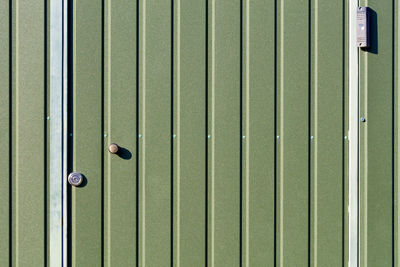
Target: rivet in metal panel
pixel 140 136
pixel 277 137
pixel 345 137
pixel 48 117
pixel 312 137
pixel 209 136
pixel 174 136
pixel 105 135
pixel 362 119
pixel 244 137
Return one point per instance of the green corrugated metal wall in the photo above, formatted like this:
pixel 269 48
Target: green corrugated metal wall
pixel 379 138
pixel 232 115
pixel 23 138
pixel 197 93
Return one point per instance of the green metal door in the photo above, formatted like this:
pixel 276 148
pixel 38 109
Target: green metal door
pixel 231 121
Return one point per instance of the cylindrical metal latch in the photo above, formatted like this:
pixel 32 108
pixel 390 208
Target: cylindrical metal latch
pixel 75 178
pixel 113 148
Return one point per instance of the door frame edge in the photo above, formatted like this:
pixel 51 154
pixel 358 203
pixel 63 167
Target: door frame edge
pixel 57 120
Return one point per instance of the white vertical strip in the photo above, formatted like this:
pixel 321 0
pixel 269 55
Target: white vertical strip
pixel 57 117
pixel 353 136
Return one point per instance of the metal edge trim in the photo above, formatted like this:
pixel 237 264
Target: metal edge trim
pixel 353 137
pixel 57 121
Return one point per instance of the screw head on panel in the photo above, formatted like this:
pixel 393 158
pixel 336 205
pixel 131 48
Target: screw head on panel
pixel 277 137
pixel 209 136
pixel 174 136
pixel 362 119
pixel 243 137
pixel 312 137
pixel 140 136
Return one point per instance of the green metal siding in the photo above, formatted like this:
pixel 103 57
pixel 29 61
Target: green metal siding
pixel 24 142
pixel 87 203
pixel 258 130
pixel 190 126
pixel 198 93
pixel 379 147
pixel 155 171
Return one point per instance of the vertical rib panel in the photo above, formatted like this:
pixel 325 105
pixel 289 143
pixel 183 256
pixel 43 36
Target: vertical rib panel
pixel 5 137
pixel 224 144
pixel 155 128
pixel 396 121
pixel 327 139
pixel 120 128
pixel 376 139
pixel 29 137
pixel 293 132
pixel 258 112
pixel 189 139
pixel 345 119
pixel 87 135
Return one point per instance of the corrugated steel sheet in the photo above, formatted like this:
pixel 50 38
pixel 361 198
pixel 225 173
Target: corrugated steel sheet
pixel 23 138
pixel 379 138
pixel 233 118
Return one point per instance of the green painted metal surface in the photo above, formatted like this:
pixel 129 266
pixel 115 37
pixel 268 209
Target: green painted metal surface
pixel 103 210
pixel 234 113
pixel 258 130
pixel 231 121
pixel 23 96
pixel 379 210
pixel 396 163
pixel 189 126
pixel 292 116
pixel 328 128
pixel 155 127
pixel 5 136
pixel 87 202
pixel 224 128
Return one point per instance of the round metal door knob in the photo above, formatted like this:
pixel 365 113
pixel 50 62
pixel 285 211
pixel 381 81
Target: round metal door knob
pixel 113 148
pixel 75 179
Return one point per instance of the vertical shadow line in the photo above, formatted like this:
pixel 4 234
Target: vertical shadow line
pixel 45 137
pixel 137 133
pixel 10 250
pixel 205 135
pixel 309 128
pixel 343 131
pixel 102 130
pixel 240 139
pixel 275 128
pixel 393 128
pixel 171 133
pixel 70 109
